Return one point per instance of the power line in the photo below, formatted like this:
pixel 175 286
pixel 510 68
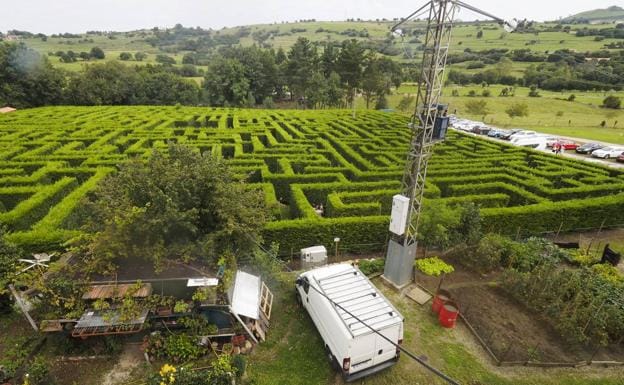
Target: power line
pixel 437 372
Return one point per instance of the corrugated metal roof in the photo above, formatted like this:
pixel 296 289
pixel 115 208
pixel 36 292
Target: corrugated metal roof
pixel 96 319
pixel 352 290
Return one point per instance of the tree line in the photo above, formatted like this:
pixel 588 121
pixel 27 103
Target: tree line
pixel 236 76
pixel 554 71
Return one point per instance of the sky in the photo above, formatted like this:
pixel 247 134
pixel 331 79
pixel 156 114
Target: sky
pixel 76 16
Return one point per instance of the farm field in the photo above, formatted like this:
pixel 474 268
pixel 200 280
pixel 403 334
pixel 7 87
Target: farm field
pixel 284 35
pixel 549 113
pixel 51 157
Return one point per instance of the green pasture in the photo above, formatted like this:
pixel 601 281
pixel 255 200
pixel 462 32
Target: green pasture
pixel 549 113
pixel 282 36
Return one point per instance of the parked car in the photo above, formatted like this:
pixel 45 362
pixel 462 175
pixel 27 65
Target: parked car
pixel 566 144
pixel 620 158
pixel 588 148
pixel 352 347
pixel 608 152
pixel 508 135
pixel 497 133
pixel 522 134
pixel 535 142
pixel 481 130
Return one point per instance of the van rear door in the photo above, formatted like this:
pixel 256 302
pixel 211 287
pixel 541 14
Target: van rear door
pixel 362 353
pixel 384 350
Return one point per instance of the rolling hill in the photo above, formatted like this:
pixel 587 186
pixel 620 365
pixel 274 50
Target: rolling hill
pixel 597 16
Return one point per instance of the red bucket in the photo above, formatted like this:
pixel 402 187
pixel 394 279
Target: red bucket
pixel 440 299
pixel 448 314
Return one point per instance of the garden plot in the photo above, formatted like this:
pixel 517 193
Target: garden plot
pixel 514 334
pixel 302 161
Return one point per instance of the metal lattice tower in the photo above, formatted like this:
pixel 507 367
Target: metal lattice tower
pixel 436 48
pixel 402 249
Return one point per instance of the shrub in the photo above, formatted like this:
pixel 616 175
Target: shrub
pixel 612 102
pixel 433 266
pixel 371 266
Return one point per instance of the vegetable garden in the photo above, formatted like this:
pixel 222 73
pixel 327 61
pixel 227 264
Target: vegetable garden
pixel 52 157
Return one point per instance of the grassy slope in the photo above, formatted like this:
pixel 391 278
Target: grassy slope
pixel 464 36
pixel 294 355
pixel 580 118
pixel 611 13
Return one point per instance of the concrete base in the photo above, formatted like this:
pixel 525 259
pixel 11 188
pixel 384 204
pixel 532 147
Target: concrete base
pixel 391 284
pixel 399 263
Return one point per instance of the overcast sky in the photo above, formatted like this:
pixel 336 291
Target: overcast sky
pixel 54 16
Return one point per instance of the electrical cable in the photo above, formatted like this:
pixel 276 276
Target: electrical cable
pixel 437 372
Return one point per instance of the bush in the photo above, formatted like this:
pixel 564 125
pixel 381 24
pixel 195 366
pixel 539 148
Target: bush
pixel 239 364
pixel 489 253
pixel 371 266
pixel 612 102
pixel 477 107
pixel 433 266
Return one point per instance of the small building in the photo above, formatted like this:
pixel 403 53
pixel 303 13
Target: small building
pixel 7 109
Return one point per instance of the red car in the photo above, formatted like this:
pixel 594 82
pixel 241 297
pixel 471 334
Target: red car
pixel 564 143
pixel 620 158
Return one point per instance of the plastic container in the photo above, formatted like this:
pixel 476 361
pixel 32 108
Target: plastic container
pixel 448 314
pixel 441 297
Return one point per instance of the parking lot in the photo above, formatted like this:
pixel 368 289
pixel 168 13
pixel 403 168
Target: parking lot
pixel 608 154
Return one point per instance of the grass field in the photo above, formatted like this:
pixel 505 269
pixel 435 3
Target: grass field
pixel 294 353
pixel 550 113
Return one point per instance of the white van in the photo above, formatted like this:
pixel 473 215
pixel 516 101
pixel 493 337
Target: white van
pixel 352 347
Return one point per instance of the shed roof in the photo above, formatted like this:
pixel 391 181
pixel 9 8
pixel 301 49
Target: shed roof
pixel 117 291
pixel 245 295
pixel 98 319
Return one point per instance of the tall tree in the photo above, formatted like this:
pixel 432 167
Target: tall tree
pixel 225 83
pixel 350 66
pixel 177 205
pixel 301 65
pixel 27 79
pixel 260 69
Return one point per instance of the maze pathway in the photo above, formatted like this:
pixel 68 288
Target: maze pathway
pixel 302 160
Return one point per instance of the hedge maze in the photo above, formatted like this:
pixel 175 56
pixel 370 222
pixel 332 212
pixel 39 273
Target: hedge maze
pixel 51 157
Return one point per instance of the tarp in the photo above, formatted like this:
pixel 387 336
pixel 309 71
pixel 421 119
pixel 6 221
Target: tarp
pixel 245 295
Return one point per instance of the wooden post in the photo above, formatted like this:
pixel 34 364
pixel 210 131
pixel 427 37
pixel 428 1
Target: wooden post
pixel 21 305
pixel 597 234
pixel 558 231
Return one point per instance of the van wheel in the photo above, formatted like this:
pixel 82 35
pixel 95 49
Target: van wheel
pixel 607 156
pixel 298 298
pixel 333 362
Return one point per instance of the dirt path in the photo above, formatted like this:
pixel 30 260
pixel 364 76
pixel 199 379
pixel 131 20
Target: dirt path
pixel 130 358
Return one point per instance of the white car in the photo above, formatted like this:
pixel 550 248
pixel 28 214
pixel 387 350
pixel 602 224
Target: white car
pixel 522 135
pixel 535 142
pixel 608 152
